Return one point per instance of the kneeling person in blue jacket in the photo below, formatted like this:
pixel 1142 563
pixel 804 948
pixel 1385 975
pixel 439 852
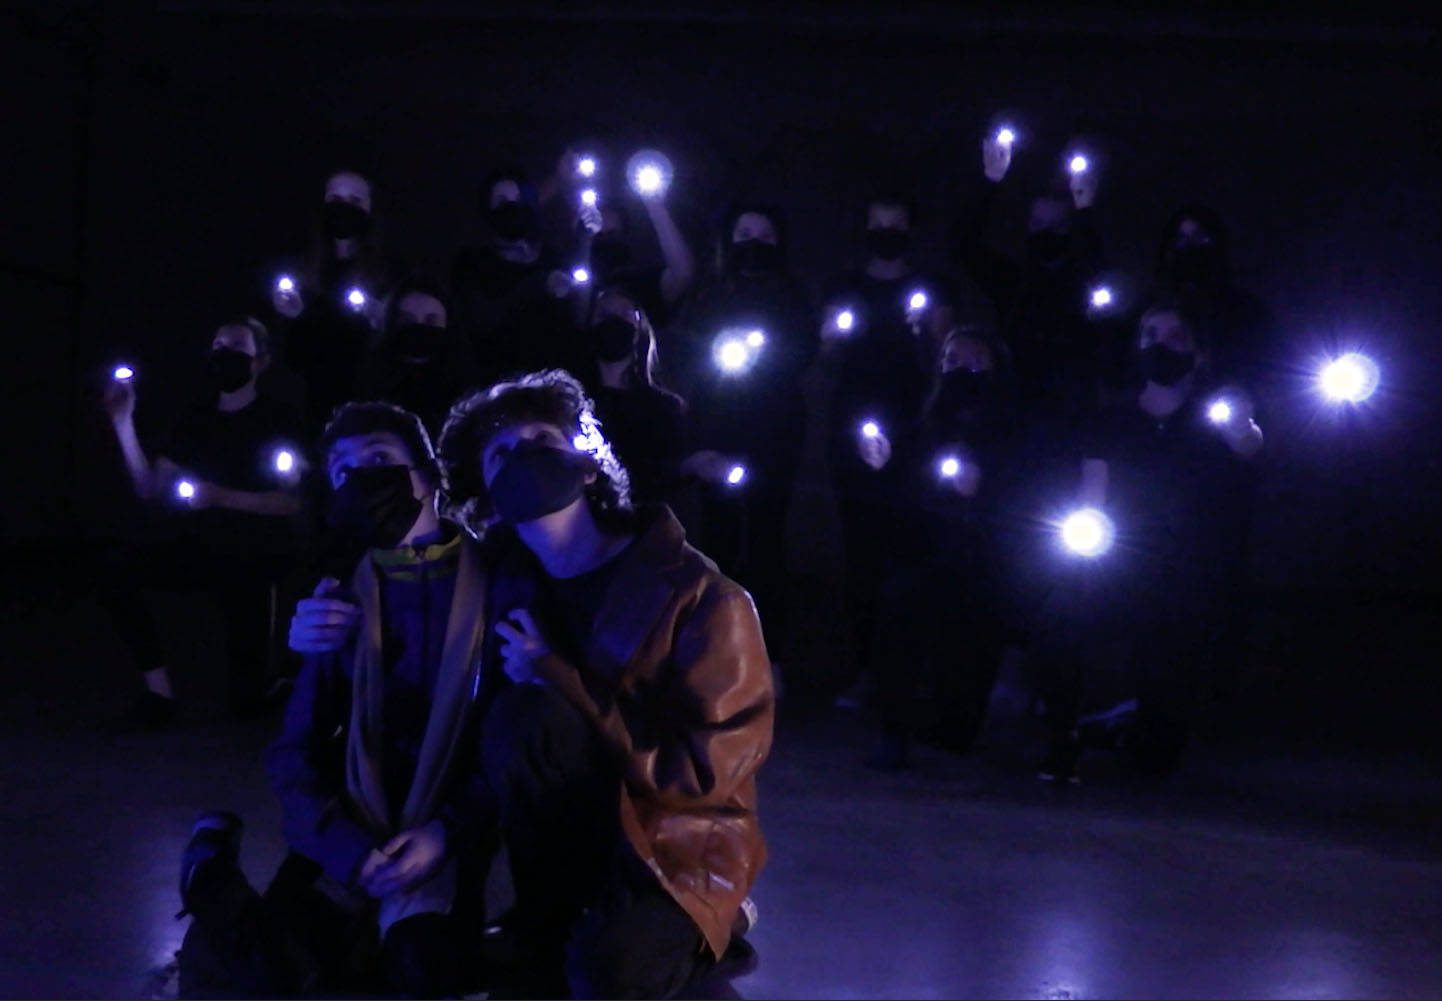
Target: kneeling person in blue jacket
pixel 384 809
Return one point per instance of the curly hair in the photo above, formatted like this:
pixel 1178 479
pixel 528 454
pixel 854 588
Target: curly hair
pixel 357 418
pixel 553 397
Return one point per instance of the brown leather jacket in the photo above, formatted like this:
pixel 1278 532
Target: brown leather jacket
pixel 678 682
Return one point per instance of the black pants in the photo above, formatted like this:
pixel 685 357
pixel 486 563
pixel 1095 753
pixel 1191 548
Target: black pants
pixel 598 921
pixel 745 533
pixel 938 640
pixel 1159 626
pixel 867 542
pixel 239 584
pixel 295 941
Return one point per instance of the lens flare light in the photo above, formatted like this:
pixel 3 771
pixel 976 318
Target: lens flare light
pixel 649 173
pixel 735 475
pixel 949 468
pixel 1352 378
pixel 356 298
pixel 1088 532
pixel 185 490
pixel 123 373
pixel 845 320
pixel 1078 164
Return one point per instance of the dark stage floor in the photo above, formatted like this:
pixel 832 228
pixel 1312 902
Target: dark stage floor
pixel 1268 869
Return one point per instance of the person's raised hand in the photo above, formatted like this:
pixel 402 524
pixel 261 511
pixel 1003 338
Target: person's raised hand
pixel 323 623
pixel 995 158
pixel 1084 188
pixel 287 302
pixel 875 450
pixel 522 645
pixel 119 400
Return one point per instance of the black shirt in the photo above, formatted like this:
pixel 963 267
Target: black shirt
pixel 574 604
pixel 646 428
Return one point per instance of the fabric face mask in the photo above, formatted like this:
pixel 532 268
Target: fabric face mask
pixel 376 505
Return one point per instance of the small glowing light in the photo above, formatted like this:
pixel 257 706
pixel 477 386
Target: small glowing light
pixel 580 276
pixel 589 438
pixel 1079 164
pixel 756 339
pixel 185 490
pixel 1088 532
pixel 732 355
pixel 649 172
pixel 580 442
pixel 1006 136
pixel 950 467
pixel 356 298
pixel 1101 297
pixel 918 300
pixel 845 320
pixel 1220 412
pixel 285 283
pixel 588 196
pixel 735 475
pixel 123 373
pixel 284 460
pixel 1351 378
pixel 586 167
pixel 871 429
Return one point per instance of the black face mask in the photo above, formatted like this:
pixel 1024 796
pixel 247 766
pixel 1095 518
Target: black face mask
pixel 1047 246
pixel 228 369
pixel 1165 367
pixel 419 340
pixel 511 220
pixel 962 389
pixel 615 339
pixel 609 253
pixel 375 506
pixel 888 243
pixel 538 480
pixel 755 257
pixel 344 221
pixel 1195 264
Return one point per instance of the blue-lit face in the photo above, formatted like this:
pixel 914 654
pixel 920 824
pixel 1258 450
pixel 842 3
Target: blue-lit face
pixel 754 226
pixel 379 448
pixel 348 187
pixel 419 307
pixel 504 441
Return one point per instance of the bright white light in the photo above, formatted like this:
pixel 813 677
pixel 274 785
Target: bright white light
pixel 1079 164
pixel 1220 412
pixel 123 373
pixel 871 429
pixel 284 461
pixel 735 475
pixel 580 442
pixel 285 283
pixel 1101 297
pixel 918 300
pixel 949 467
pixel 587 166
pixel 580 276
pixel 732 355
pixel 588 196
pixel 356 298
pixel 1351 378
pixel 1006 136
pixel 649 173
pixel 845 320
pixel 1088 532
pixel 756 339
pixel 185 490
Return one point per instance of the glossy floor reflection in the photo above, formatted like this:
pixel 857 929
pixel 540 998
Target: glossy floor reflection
pixel 1265 871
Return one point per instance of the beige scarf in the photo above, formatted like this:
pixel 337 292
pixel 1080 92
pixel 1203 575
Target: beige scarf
pixel 457 684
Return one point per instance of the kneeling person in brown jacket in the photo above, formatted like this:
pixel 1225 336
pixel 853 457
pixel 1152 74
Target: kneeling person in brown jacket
pixel 625 756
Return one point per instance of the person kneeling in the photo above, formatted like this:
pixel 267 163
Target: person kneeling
pixel 376 768
pixel 625 757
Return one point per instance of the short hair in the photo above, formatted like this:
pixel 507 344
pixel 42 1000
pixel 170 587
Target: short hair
pixel 890 196
pixel 350 420
pixel 258 332
pixel 552 397
pixel 413 283
pixel 1165 303
pixel 508 172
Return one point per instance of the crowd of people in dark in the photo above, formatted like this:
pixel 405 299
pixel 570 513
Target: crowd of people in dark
pixel 532 516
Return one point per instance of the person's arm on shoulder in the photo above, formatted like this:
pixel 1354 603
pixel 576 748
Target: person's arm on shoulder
pixel 306 767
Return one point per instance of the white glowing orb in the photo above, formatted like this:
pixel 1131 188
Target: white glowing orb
pixel 123 373
pixel 871 429
pixel 648 179
pixel 950 467
pixel 356 298
pixel 918 300
pixel 580 276
pixel 580 442
pixel 735 475
pixel 1101 297
pixel 285 283
pixel 587 166
pixel 1088 532
pixel 1220 412
pixel 733 355
pixel 284 461
pixel 1079 164
pixel 185 490
pixel 588 197
pixel 756 339
pixel 1351 378
pixel 1006 137
pixel 845 320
